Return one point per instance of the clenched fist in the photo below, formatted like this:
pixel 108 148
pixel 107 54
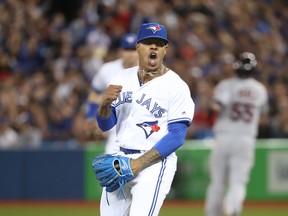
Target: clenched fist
pixel 108 97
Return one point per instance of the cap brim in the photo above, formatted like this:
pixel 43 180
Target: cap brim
pixel 164 39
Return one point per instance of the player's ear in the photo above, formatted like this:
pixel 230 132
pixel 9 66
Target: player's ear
pixel 137 46
pixel 166 46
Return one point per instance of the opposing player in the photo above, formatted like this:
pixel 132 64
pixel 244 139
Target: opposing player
pixel 128 58
pixel 152 109
pixel 240 101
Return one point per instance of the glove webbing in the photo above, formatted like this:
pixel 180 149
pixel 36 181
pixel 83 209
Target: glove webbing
pixel 121 184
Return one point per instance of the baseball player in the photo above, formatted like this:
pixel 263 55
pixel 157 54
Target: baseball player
pixel 128 58
pixel 152 109
pixel 239 101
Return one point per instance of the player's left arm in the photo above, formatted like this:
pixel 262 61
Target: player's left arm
pixel 174 139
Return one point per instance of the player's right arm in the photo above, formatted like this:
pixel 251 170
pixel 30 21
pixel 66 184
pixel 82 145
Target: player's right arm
pixel 216 107
pixel 106 115
pixel 221 97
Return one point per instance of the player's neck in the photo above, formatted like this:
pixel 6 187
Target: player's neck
pixel 145 76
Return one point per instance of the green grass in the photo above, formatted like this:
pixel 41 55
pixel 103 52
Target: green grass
pixel 92 209
pixel 48 211
pixel 184 211
pixel 74 211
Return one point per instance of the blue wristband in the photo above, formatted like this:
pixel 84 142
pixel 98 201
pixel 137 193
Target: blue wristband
pixel 91 110
pixel 107 123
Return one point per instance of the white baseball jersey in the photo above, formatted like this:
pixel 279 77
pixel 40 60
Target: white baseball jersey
pixel 243 100
pixel 143 112
pixel 99 84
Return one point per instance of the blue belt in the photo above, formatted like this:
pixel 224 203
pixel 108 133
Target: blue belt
pixel 130 151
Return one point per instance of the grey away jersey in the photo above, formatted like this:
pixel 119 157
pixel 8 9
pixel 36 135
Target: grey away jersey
pixel 243 100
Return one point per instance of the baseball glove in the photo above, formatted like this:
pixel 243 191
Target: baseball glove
pixel 112 171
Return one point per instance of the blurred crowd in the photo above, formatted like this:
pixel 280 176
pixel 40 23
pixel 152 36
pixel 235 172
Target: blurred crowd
pixel 48 57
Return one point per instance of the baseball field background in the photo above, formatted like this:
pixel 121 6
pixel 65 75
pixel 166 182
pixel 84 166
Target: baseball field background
pixel 61 181
pixel 86 208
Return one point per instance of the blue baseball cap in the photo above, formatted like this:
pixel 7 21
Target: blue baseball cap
pixel 128 41
pixel 152 30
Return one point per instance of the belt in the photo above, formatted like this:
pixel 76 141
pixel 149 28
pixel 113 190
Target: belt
pixel 130 151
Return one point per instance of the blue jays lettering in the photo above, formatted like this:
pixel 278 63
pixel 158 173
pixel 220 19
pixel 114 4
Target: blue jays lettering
pixel 153 107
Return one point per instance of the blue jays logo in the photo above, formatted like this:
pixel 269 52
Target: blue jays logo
pixel 154 28
pixel 149 127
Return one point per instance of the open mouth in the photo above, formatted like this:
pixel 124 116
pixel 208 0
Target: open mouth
pixel 153 55
pixel 153 59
